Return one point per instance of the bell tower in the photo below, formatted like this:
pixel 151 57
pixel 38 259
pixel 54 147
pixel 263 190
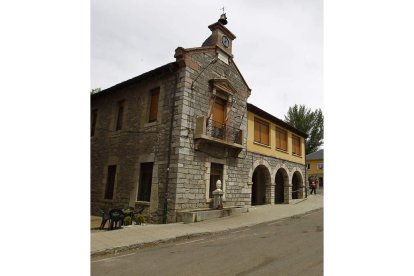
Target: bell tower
pixel 221 37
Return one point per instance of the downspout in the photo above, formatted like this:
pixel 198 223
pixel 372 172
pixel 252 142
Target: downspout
pixel 306 172
pixel 167 179
pixel 306 178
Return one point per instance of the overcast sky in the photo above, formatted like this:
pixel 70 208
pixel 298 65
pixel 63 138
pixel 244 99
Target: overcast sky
pixel 278 45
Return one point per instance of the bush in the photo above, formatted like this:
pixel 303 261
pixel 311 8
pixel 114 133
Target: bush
pixel 127 220
pixel 139 219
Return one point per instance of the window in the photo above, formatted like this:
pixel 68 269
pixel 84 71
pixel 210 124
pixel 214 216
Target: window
pixel 308 166
pixel 219 110
pixel 219 115
pixel 145 182
pixel 320 166
pixel 154 94
pixel 261 132
pixel 216 173
pixel 296 145
pixel 94 118
pixel 120 117
pixel 110 182
pixel 281 139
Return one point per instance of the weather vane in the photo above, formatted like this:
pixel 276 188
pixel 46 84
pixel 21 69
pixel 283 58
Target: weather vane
pixel 223 17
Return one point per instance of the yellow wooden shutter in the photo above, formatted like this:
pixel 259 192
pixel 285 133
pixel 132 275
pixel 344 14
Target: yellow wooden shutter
pixel 256 131
pixel 278 139
pixel 154 105
pixel 261 131
pixel 296 145
pixel 265 134
pixel 281 139
pixel 284 141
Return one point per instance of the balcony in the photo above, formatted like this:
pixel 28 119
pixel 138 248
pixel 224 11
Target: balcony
pixel 210 135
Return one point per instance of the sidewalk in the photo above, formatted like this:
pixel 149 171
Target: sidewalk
pixel 138 236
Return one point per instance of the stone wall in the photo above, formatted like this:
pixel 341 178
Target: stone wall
pixel 138 141
pixel 193 165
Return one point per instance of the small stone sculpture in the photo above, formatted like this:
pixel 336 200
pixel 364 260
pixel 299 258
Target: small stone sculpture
pixel 217 196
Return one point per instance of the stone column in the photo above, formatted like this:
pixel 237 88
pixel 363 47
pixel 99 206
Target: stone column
pixel 288 193
pixel 270 193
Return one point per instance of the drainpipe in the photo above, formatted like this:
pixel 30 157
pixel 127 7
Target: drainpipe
pixel 306 177
pixel 167 179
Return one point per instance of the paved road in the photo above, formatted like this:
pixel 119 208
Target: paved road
pixel 291 246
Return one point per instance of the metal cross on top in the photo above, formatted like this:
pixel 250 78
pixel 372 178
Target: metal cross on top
pixel 222 9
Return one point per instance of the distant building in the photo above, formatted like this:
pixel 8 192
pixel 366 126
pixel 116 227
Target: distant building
pixel 161 140
pixel 314 166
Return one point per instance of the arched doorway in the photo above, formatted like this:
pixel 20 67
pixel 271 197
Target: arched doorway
pixel 297 186
pixel 260 179
pixel 281 180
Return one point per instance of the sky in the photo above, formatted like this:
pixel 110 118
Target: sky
pixel 278 46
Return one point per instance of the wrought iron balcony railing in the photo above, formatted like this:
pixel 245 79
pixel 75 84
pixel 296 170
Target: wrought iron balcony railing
pixel 209 129
pixel 223 132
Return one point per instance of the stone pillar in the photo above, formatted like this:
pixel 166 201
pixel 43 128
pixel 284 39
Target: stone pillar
pixel 270 193
pixel 288 193
pixel 302 192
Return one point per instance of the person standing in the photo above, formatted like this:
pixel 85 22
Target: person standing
pixel 313 187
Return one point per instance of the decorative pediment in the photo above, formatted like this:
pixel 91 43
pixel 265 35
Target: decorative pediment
pixel 223 85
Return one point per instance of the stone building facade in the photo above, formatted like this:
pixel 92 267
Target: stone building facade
pixel 314 166
pixel 162 139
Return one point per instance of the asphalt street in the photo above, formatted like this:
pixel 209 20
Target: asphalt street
pixel 292 246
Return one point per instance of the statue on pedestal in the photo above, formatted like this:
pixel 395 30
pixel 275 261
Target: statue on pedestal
pixel 217 196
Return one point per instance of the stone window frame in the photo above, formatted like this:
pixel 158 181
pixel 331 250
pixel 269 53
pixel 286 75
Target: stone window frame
pixel 308 165
pixel 153 106
pixel 320 166
pixel 114 118
pixel 147 110
pixel 221 88
pixel 140 179
pixel 110 162
pixel 222 176
pixel 145 158
pixel 106 189
pixel 207 165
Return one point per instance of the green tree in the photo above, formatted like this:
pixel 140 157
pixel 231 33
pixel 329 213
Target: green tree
pixel 308 121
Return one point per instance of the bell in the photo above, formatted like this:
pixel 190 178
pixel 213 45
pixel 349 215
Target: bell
pixel 223 19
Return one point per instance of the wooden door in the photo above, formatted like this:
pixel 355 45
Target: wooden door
pixel 219 111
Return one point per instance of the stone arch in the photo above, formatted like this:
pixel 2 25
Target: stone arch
pixel 281 191
pixel 261 183
pixel 298 183
pixel 258 163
